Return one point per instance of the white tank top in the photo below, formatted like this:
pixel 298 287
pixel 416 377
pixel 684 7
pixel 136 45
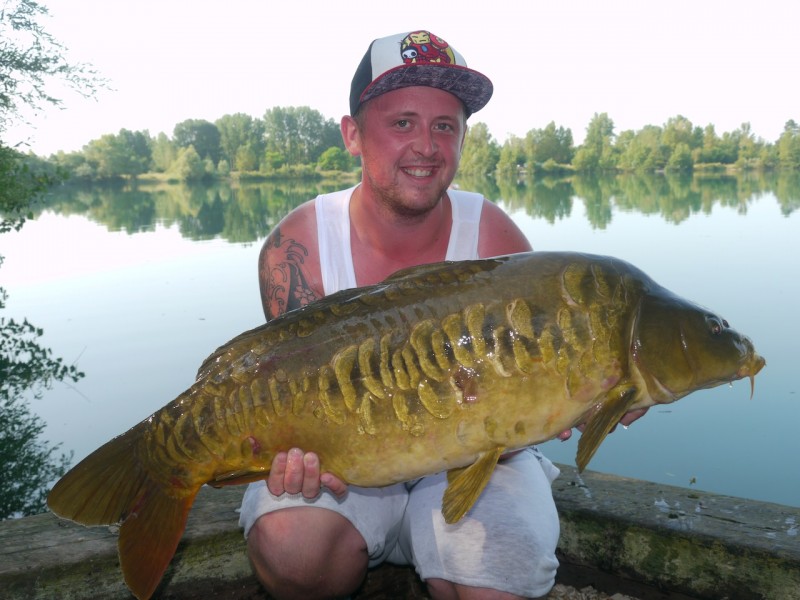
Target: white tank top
pixel 333 235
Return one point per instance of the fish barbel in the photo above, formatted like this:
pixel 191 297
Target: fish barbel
pixel 440 367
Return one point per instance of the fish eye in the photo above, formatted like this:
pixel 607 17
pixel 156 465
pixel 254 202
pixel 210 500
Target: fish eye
pixel 715 326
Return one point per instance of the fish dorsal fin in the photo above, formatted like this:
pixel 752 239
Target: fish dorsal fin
pixel 617 402
pixel 466 484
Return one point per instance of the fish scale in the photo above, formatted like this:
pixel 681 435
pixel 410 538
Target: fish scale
pixel 439 368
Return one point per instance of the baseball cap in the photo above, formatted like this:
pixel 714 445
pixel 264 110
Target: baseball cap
pixel 417 58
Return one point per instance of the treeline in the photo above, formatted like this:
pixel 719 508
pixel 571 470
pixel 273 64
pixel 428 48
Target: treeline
pixel 678 145
pixel 290 141
pixel 301 142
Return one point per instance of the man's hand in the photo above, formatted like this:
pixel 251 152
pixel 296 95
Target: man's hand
pixel 297 472
pixel 626 420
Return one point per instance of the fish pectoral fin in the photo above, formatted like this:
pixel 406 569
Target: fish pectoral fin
pixel 466 484
pixel 237 478
pixel 618 401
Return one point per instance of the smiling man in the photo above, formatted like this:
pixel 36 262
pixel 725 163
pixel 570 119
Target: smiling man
pixel 309 535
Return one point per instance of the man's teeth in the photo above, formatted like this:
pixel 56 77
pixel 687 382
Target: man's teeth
pixel 417 172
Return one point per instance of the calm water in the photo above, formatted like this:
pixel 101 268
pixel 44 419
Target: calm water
pixel 136 287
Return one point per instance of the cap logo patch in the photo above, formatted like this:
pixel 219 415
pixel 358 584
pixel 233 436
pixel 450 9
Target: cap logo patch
pixel 421 47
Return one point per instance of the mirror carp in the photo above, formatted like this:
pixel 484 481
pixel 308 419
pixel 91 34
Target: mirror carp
pixel 441 367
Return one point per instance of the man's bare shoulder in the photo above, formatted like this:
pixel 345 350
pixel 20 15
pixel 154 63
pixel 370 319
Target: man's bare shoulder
pixel 499 234
pixel 288 265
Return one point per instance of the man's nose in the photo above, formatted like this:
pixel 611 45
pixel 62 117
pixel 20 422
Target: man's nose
pixel 425 142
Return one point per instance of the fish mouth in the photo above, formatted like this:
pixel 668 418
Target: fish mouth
pixel 750 368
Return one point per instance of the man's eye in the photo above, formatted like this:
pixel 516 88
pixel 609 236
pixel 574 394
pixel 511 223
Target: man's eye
pixel 402 123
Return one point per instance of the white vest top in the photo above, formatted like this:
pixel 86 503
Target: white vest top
pixel 333 233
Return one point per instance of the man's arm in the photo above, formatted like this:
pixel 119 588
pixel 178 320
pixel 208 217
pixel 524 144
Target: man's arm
pixel 282 278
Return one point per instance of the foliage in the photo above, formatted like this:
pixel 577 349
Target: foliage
pixel 127 153
pixel 19 183
pixel 299 134
pixel 31 60
pixel 202 135
pixel 512 159
pixel 335 159
pixel 480 154
pixel 789 146
pixel 189 166
pixel 163 152
pixel 29 465
pixel 241 139
pixel 549 144
pixel 597 152
pixel 681 158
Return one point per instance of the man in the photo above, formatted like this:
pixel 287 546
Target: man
pixel 308 535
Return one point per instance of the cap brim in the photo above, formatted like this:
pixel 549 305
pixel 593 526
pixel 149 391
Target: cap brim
pixel 474 89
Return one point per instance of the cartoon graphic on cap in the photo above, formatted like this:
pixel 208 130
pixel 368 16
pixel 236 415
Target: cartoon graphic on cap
pixel 424 47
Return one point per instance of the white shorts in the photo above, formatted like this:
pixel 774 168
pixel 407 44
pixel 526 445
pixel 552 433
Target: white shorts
pixel 507 540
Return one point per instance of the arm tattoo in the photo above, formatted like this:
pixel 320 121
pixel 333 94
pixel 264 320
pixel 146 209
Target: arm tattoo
pixel 285 284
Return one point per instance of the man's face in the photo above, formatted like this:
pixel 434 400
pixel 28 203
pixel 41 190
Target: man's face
pixel 410 145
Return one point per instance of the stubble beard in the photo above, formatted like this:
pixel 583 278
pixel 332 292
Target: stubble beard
pixel 393 202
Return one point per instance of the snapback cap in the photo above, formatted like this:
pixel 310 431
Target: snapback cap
pixel 417 58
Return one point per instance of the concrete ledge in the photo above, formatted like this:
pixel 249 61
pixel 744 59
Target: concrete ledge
pixel 677 540
pixel 617 534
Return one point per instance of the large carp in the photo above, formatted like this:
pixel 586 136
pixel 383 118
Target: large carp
pixel 440 367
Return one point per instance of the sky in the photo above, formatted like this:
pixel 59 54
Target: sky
pixel 714 62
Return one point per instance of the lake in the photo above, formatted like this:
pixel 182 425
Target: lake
pixel 136 286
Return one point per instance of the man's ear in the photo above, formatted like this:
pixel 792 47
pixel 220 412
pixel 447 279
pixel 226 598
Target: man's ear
pixel 351 135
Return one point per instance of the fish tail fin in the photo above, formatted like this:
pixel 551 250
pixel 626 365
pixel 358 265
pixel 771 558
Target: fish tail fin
pixel 112 486
pixel 149 537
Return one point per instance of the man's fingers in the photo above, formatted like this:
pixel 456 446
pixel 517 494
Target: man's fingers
pixel 276 474
pixel 334 484
pixel 294 472
pixel 310 481
pixel 295 469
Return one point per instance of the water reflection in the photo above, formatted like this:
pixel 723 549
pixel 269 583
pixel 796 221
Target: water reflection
pixel 674 196
pixel 248 211
pixel 236 213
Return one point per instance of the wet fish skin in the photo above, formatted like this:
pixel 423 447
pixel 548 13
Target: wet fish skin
pixel 441 367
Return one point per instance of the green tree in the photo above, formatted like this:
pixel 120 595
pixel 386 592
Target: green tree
pixel 551 143
pixel 335 159
pixel 710 150
pixel 247 157
pixel 124 154
pixel 32 62
pixel 512 158
pixel 679 130
pixel 789 146
pixel 163 152
pixel 239 131
pixel 299 134
pixel 200 134
pixel 681 158
pixel 597 151
pixel 481 152
pixel 643 150
pixel 189 166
